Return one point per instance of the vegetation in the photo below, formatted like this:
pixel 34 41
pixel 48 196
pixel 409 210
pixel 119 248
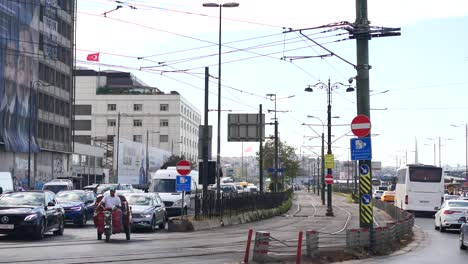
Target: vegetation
pixel 173 160
pixel 287 160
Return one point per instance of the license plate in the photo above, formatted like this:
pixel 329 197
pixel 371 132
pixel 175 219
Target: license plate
pixel 424 201
pixel 3 226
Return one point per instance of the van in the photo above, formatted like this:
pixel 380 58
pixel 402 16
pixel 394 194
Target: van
pixel 58 185
pixel 6 182
pixel 163 182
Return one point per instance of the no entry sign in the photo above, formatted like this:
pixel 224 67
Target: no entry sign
pixel 329 179
pixel 361 125
pixel 183 167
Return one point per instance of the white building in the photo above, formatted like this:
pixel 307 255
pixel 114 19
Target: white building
pixel 103 98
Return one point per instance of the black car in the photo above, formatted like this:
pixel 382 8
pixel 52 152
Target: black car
pixel 31 212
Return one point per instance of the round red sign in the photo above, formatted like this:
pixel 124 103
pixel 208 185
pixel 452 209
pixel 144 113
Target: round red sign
pixel 329 179
pixel 361 125
pixel 183 167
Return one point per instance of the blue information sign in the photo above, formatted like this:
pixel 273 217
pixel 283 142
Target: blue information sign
pixel 364 169
pixel 366 199
pixel 361 149
pixel 183 183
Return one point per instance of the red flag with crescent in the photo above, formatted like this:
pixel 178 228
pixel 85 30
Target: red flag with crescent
pixel 93 57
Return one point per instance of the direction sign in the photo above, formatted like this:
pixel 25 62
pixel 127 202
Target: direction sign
pixel 183 183
pixel 361 149
pixel 364 169
pixel 361 125
pixel 366 199
pixel 329 179
pixel 183 167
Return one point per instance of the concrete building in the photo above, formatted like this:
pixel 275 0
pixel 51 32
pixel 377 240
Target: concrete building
pixel 112 104
pixel 36 89
pixel 88 166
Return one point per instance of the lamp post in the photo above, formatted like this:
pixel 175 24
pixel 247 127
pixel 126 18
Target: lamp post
pixel 466 148
pixel 329 88
pixel 218 151
pixel 147 152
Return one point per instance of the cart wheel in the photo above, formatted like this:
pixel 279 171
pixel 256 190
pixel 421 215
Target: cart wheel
pixel 127 233
pixel 99 236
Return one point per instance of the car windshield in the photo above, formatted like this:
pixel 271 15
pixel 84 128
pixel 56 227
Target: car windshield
pixel 164 185
pixel 55 188
pixel 64 197
pixel 22 199
pixel 227 189
pixel 458 204
pixel 138 200
pixel 105 187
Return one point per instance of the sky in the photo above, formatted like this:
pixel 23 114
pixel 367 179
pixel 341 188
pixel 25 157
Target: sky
pixel 418 80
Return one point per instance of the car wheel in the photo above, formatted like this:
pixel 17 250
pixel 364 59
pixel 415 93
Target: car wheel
pixel 435 225
pixel 462 246
pixel 40 231
pixel 163 224
pixel 441 228
pixel 59 232
pixel 99 236
pixel 83 220
pixel 153 224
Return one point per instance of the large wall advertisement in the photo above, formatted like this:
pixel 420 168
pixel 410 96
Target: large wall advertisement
pixel 132 161
pixel 19 41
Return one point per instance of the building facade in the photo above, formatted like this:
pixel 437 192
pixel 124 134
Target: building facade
pixel 36 89
pixel 87 165
pixel 112 104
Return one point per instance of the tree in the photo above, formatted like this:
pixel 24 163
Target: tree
pixel 287 158
pixel 173 160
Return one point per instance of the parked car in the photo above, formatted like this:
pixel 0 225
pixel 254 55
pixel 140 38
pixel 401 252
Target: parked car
pixel 378 194
pixel 31 212
pixel 251 189
pixel 78 205
pixel 463 232
pixel 451 197
pixel 388 196
pixel 148 210
pixel 58 185
pixel 448 214
pixel 228 188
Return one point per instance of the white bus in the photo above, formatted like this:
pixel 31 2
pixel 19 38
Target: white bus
pixel 419 188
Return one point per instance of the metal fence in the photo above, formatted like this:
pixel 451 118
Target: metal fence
pixel 346 244
pixel 236 203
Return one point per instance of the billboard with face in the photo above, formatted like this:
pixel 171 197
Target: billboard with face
pixel 19 42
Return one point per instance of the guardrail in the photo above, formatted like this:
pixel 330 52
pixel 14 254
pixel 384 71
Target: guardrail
pixel 352 243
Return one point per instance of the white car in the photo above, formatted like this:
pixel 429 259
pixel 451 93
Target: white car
pixel 377 194
pixel 449 213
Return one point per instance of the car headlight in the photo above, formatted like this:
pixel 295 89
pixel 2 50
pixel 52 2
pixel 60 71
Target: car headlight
pixel 30 217
pixel 177 203
pixel 76 208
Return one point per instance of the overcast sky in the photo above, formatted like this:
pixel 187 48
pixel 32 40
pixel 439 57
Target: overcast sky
pixel 424 70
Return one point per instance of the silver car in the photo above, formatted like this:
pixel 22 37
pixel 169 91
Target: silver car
pixel 463 232
pixel 148 210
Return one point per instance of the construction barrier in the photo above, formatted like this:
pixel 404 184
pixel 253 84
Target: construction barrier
pixel 261 246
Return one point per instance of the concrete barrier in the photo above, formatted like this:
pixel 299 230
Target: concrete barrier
pixel 261 246
pixel 311 242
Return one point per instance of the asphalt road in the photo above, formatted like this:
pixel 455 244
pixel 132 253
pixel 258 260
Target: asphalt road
pixel 433 248
pixel 221 245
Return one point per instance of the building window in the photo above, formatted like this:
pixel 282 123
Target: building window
pixel 164 107
pixel 163 138
pixel 82 109
pixel 110 138
pixel 111 122
pixel 137 107
pixel 111 107
pixel 137 138
pixel 137 123
pixel 81 125
pixel 164 122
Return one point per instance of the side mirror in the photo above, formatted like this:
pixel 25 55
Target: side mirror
pixel 462 219
pixel 158 205
pixel 436 208
pixel 51 204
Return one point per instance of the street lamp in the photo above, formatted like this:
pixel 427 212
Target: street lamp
pixel 218 152
pixel 147 152
pixel 329 88
pixel 440 145
pixel 466 147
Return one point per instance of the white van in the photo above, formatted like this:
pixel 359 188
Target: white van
pixel 163 182
pixel 6 182
pixel 58 185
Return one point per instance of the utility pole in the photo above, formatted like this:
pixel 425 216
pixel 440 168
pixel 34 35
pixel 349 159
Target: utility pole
pixel 276 151
pixel 261 149
pixel 205 143
pixel 329 152
pixel 322 169
pixel 118 143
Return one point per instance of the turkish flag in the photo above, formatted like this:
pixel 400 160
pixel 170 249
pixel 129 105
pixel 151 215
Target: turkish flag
pixel 93 57
pixel 249 149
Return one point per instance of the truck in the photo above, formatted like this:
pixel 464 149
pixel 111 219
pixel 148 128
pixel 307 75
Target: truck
pixel 163 182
